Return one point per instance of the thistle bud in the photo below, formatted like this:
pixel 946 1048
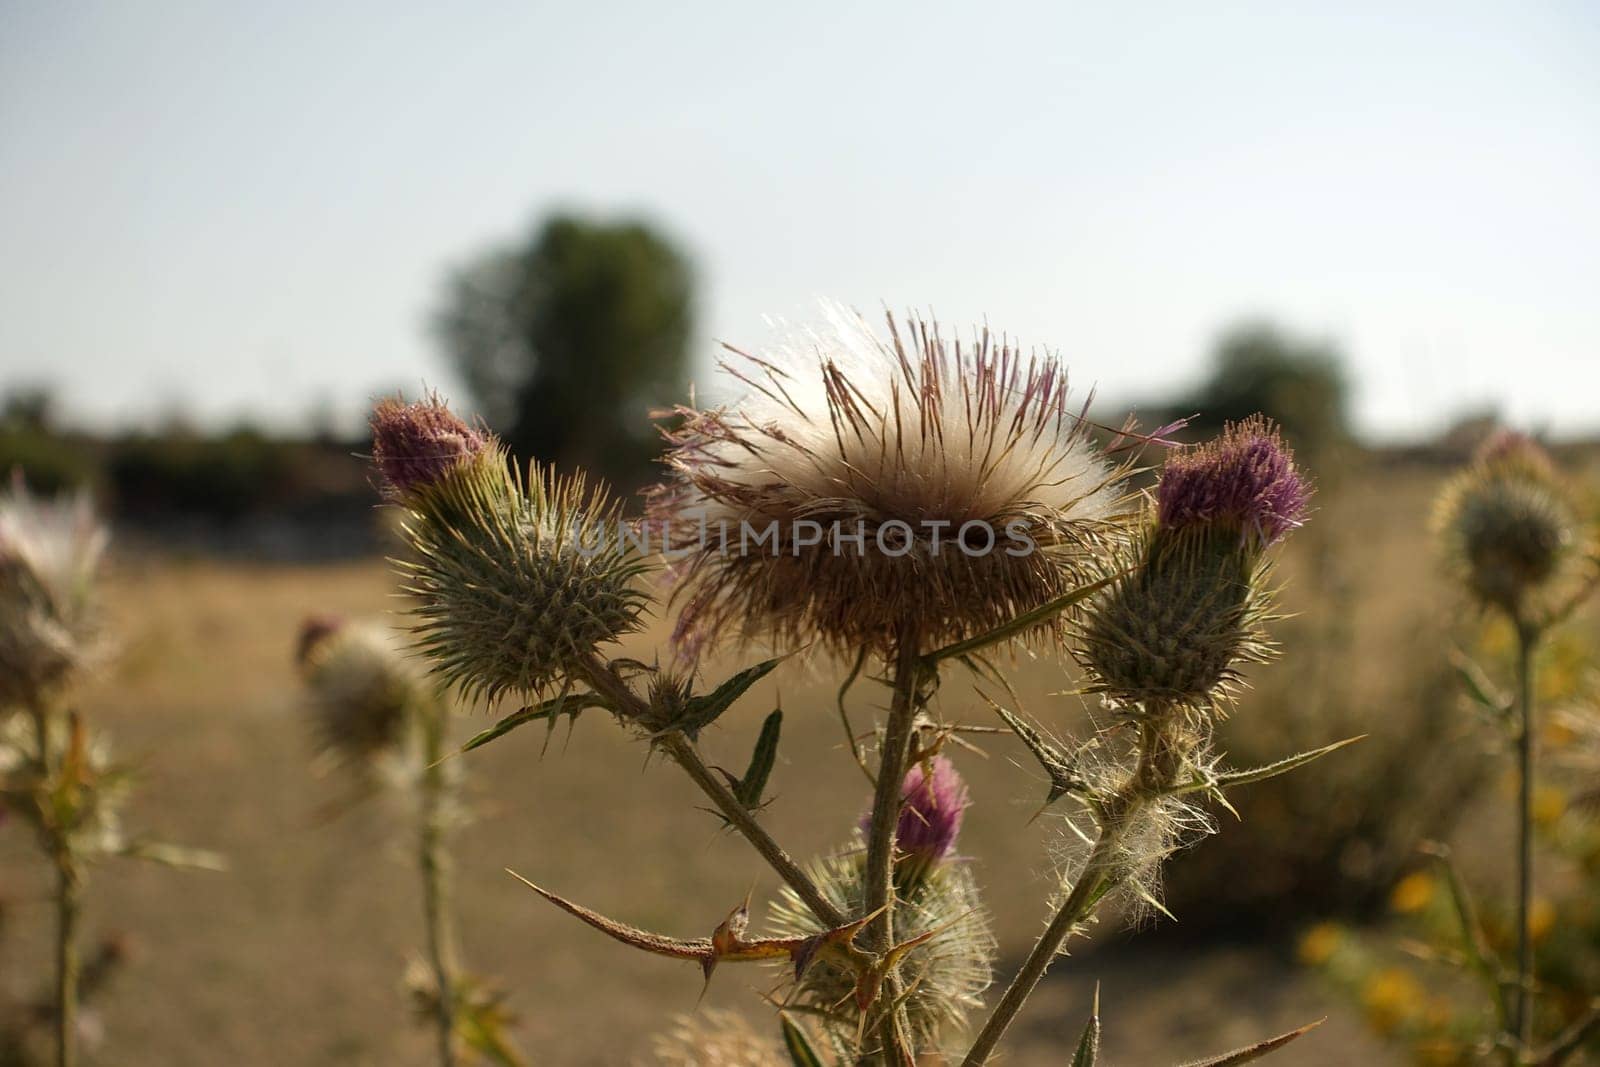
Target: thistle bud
pixel 313 632
pixel 516 587
pixel 933 801
pixel 1188 606
pixel 1506 524
pixel 361 690
pixel 415 445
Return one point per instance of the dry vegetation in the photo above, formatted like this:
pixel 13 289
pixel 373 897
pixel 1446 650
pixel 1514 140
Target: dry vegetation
pixel 294 956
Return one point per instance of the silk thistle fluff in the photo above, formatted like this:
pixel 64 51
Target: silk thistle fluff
pixel 904 439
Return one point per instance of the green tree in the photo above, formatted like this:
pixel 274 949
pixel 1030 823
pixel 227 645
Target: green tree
pixel 569 341
pixel 1299 382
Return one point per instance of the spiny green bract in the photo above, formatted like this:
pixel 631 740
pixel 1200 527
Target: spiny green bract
pixel 944 977
pixel 1174 628
pixel 515 584
pixel 1505 531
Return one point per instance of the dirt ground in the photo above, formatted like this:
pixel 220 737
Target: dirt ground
pixel 294 956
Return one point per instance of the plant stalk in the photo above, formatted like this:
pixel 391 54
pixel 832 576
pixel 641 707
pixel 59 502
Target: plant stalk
pixel 885 815
pixel 433 863
pixel 609 684
pixel 68 905
pixel 1522 1020
pixel 1160 757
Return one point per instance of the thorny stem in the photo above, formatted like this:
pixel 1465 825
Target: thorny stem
pixel 435 881
pixel 608 683
pixel 885 815
pixel 69 886
pixel 1156 770
pixel 1522 1020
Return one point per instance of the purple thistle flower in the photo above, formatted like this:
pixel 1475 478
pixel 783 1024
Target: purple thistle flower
pixel 314 630
pixel 1246 477
pixel 931 809
pixel 414 444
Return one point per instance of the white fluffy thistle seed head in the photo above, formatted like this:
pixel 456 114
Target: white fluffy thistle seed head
pixel 904 438
pixel 50 553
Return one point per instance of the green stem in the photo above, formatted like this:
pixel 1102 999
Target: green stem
pixel 609 684
pixel 1160 761
pixel 892 759
pixel 1098 879
pixel 1527 640
pixel 68 903
pixel 433 862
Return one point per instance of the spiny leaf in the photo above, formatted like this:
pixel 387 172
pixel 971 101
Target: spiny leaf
pixel 1283 766
pixel 762 760
pixel 1089 1044
pixel 1026 621
pixel 1057 764
pixel 1254 1052
pixel 706 709
pixel 196 859
pixel 550 710
pixel 1477 683
pixel 1480 954
pixel 795 1042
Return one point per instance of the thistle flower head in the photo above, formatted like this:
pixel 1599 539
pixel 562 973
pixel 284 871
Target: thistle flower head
pixel 516 585
pixel 715 1038
pixel 1506 524
pixel 933 801
pixel 944 977
pixel 314 630
pixel 49 556
pixel 413 445
pixel 1245 479
pixel 1514 452
pixel 899 478
pixel 361 690
pixel 1186 608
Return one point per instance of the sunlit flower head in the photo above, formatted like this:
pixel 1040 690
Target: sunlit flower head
pixel 915 487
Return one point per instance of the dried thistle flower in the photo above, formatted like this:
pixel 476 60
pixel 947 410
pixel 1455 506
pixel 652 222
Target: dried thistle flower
pixel 715 1038
pixel 361 689
pixel 413 445
pixel 1189 605
pixel 515 585
pixel 899 478
pixel 1506 524
pixel 944 977
pixel 49 556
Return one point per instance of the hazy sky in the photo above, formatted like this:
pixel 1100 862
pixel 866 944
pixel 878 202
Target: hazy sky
pixel 248 208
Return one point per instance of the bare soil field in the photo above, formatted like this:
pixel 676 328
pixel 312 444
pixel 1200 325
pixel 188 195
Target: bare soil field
pixel 295 955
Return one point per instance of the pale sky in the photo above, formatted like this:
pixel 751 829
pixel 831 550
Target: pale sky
pixel 248 208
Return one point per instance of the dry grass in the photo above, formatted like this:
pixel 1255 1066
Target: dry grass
pixel 295 956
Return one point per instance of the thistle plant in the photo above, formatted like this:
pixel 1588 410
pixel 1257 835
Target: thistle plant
pixel 917 504
pixel 378 721
pixel 57 774
pixel 1510 537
